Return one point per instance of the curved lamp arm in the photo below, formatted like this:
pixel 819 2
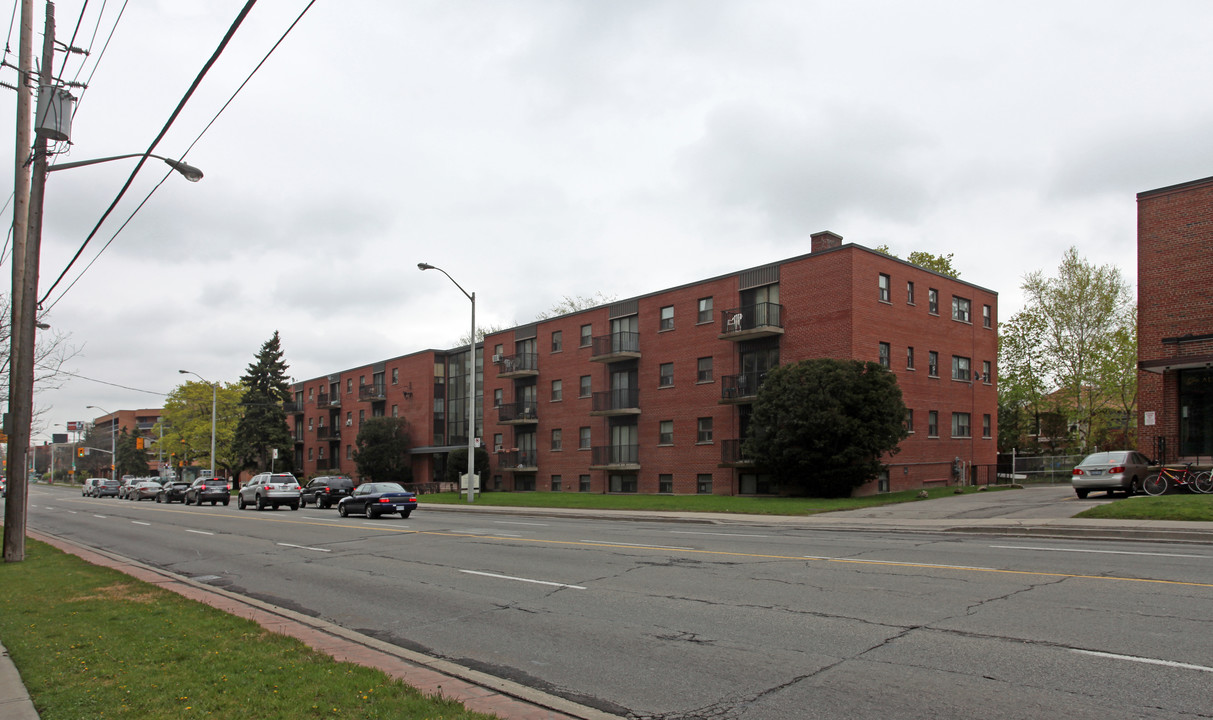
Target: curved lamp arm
pixel 190 172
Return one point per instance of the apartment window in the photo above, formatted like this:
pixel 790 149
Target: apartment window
pixel 496 442
pixel 910 420
pixel 583 483
pixel 884 355
pixel 932 423
pixel 987 319
pixel 960 368
pixel 395 376
pixel 361 417
pixel 985 425
pixel 666 378
pixel 665 435
pixel 586 335
pixel 933 364
pixel 704 431
pixel 960 309
pixel 933 301
pixel 497 397
pixel 557 390
pixel 309 423
pixel 524 484
pixel 622 483
pixel 583 439
pixel 910 358
pixel 320 452
pixel 703 484
pixel 705 310
pixel 909 292
pixel 556 439
pixel 349 452
pixel 555 483
pixel 985 371
pixel 584 390
pixel 665 483
pixel 883 285
pixel 362 381
pixel 960 425
pixel 309 453
pixel 498 350
pixel 395 411
pixel 557 341
pixel 667 317
pixel 704 370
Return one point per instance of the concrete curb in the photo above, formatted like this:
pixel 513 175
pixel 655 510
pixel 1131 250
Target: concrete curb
pixel 15 703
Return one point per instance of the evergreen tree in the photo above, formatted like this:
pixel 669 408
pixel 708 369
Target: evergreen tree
pixel 382 452
pixel 129 459
pixel 263 428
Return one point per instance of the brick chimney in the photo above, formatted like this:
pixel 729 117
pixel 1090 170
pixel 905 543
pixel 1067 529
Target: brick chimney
pixel 825 240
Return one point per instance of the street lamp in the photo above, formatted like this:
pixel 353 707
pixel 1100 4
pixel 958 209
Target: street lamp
pixel 190 172
pixel 214 402
pixel 471 382
pixel 113 441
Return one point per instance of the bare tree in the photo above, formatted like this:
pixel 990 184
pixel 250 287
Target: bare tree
pixel 52 352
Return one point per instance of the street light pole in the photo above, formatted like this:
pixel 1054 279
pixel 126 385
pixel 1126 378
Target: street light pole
pixel 113 441
pixel 214 403
pixel 471 383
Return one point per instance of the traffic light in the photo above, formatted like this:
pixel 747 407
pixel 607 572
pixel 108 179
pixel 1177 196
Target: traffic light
pixel 79 452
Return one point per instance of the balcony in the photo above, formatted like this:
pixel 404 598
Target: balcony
pixel 615 347
pixel 328 432
pixel 324 400
pixel 516 366
pixel 293 407
pixel 523 412
pixel 760 320
pixel 372 393
pixel 731 454
pixel 616 402
pixel 615 457
pixel 518 461
pixel 739 389
pixel 328 464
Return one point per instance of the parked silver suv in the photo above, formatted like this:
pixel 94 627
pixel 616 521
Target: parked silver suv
pixel 269 490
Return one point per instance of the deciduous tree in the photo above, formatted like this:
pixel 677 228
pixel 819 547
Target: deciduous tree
pixel 186 424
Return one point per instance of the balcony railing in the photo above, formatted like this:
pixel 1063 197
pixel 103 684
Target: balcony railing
pixel 328 464
pixel 292 407
pixel 518 413
pixel 618 456
pixel 324 400
pixel 753 321
pixel 731 453
pixel 616 346
pixel 740 388
pixel 328 432
pixel 520 365
pixel 512 460
pixel 616 402
pixel 372 392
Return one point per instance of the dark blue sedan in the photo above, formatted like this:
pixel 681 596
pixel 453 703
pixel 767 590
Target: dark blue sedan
pixel 378 498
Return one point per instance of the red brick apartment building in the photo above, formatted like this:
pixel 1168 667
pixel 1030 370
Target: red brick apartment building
pixel 653 394
pixel 1175 321
pixel 134 422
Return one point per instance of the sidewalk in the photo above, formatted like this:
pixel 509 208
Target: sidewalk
pixel 1038 512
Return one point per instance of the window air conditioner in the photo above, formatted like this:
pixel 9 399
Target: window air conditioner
pixel 496 358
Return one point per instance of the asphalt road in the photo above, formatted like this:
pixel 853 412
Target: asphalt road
pixel 675 620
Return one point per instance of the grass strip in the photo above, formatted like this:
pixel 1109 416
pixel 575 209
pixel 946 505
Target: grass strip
pixel 91 642
pixel 1172 506
pixel 692 503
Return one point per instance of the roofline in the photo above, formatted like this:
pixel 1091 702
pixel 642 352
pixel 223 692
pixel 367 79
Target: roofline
pixel 1175 188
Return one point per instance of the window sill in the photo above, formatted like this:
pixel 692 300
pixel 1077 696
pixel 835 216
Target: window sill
pixel 705 382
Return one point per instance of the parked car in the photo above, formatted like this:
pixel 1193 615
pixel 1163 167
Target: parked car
pixel 269 490
pixel 325 491
pixel 1118 470
pixel 208 489
pixel 172 490
pixel 375 499
pixel 128 482
pixel 107 488
pixel 89 488
pixel 3 488
pixel 143 490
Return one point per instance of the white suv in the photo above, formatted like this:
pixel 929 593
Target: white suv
pixel 269 489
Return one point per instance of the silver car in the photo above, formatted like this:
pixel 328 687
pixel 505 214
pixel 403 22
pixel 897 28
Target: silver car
pixel 269 490
pixel 1117 470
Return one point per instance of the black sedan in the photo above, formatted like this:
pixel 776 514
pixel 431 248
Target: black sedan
pixel 375 499
pixel 173 491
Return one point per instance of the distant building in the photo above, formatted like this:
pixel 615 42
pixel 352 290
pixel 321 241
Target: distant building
pixel 1175 321
pixel 134 422
pixel 653 394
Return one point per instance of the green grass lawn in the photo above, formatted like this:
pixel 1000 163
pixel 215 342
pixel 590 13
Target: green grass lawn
pixel 687 503
pixel 91 642
pixel 1173 506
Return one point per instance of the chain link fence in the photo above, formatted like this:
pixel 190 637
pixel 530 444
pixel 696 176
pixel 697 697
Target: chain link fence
pixel 1037 469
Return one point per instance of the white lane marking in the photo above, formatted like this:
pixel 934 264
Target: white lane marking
pixel 1103 552
pixel 521 579
pixel 1147 661
pixel 73 512
pixel 314 517
pixel 513 522
pixel 907 563
pixel 636 545
pixel 494 533
pixel 103 517
pixel 136 522
pixel 691 532
pixel 199 532
pixel 305 547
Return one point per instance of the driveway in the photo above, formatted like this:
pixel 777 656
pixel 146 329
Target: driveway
pixel 1033 502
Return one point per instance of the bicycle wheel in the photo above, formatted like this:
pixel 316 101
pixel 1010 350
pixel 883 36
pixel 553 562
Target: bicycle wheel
pixel 1203 482
pixel 1155 484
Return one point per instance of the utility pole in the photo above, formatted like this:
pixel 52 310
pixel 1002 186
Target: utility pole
pixel 26 246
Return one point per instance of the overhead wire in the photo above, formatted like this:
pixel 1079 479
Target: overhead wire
pixel 169 173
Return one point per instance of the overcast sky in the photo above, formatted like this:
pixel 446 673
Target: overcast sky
pixel 540 148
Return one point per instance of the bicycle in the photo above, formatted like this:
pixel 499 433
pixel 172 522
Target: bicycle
pixel 1159 482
